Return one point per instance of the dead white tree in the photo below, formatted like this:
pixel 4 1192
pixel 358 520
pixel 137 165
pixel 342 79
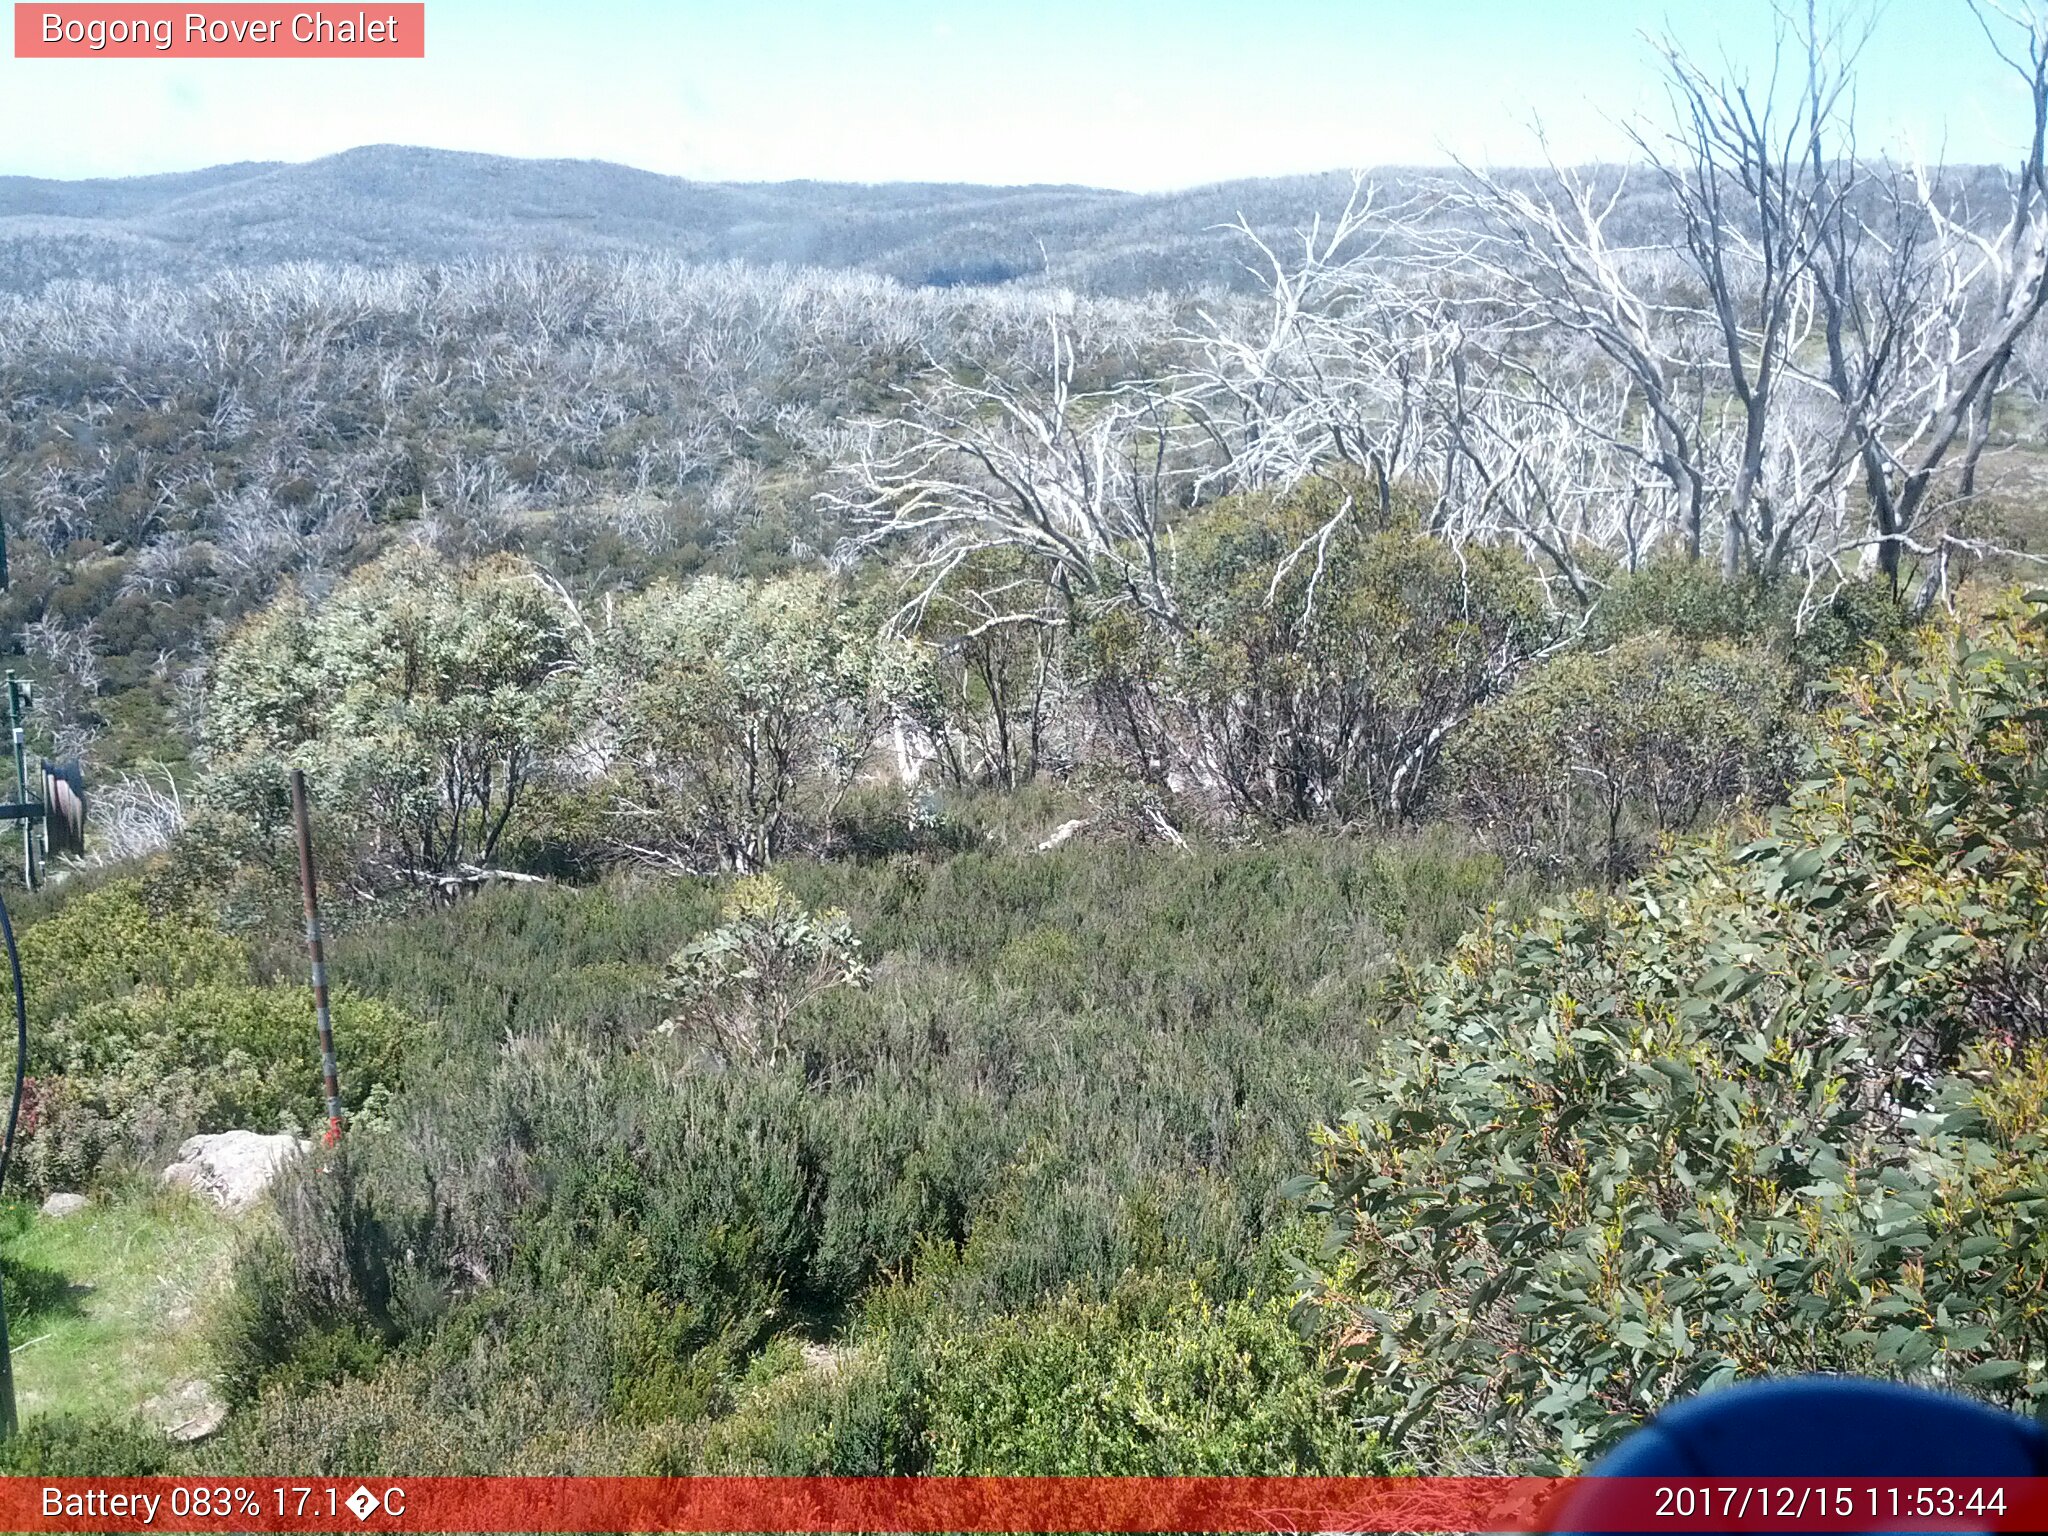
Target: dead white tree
pixel 1548 247
pixel 66 661
pixel 135 816
pixel 1347 361
pixel 1813 328
pixel 1734 164
pixel 1081 481
pixel 1925 305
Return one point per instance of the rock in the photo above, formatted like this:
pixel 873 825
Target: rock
pixel 822 1358
pixel 232 1168
pixel 188 1410
pixel 60 1206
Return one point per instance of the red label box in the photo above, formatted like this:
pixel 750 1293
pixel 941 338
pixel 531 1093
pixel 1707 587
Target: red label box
pixel 165 1506
pixel 235 31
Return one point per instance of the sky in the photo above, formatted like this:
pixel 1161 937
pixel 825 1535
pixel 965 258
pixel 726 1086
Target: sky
pixel 1139 94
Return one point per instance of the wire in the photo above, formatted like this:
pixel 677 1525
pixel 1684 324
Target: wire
pixel 8 1422
pixel 20 1042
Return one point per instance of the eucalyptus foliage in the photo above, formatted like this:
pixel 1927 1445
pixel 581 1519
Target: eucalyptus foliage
pixel 1778 1107
pixel 769 955
pixel 736 715
pixel 1593 755
pixel 1319 660
pixel 421 699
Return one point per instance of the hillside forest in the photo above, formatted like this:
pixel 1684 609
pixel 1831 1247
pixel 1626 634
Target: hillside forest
pixel 1378 857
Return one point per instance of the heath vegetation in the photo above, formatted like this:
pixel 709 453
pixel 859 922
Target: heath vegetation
pixel 1385 869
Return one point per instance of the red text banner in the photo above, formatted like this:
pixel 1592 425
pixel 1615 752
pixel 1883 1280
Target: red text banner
pixel 234 31
pixel 1022 1504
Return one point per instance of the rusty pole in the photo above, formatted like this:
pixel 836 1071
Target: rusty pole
pixel 313 949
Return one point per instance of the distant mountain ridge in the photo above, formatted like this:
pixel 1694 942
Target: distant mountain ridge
pixel 388 203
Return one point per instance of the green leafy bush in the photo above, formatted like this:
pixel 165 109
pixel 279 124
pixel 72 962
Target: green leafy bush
pixel 1052 1113
pixel 249 1054
pixel 1318 659
pixel 62 1445
pixel 1155 1381
pixel 1594 756
pixel 422 700
pixel 768 956
pixel 1771 1110
pixel 853 1411
pixel 997 684
pixel 1156 1377
pixel 738 715
pixel 579 1378
pixel 1696 605
pixel 146 1027
pixel 109 942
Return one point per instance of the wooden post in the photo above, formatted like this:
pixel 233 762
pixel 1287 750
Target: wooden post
pixel 329 1074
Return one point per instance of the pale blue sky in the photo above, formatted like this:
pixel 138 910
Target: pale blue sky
pixel 1144 94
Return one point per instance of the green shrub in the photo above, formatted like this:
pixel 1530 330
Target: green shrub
pixel 1156 1381
pixel 1763 1113
pixel 1126 1097
pixel 1156 1377
pixel 1695 605
pixel 238 1055
pixel 1315 660
pixel 110 942
pixel 741 714
pixel 280 1326
pixel 997 684
pixel 768 956
pixel 65 1446
pixel 146 1028
pixel 423 700
pixel 854 1412
pixel 883 820
pixel 490 1414
pixel 1693 602
pixel 1861 617
pixel 1593 757
pixel 556 1374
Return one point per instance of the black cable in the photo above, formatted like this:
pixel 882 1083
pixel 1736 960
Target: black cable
pixel 8 1422
pixel 20 1041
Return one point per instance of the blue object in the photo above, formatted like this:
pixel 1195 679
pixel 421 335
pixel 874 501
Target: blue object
pixel 1828 1426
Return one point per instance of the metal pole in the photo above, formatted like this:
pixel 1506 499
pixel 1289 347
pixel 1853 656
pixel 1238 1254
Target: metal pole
pixel 28 833
pixel 313 949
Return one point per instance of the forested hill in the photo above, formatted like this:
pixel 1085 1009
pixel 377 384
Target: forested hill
pixel 389 203
pixel 384 204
